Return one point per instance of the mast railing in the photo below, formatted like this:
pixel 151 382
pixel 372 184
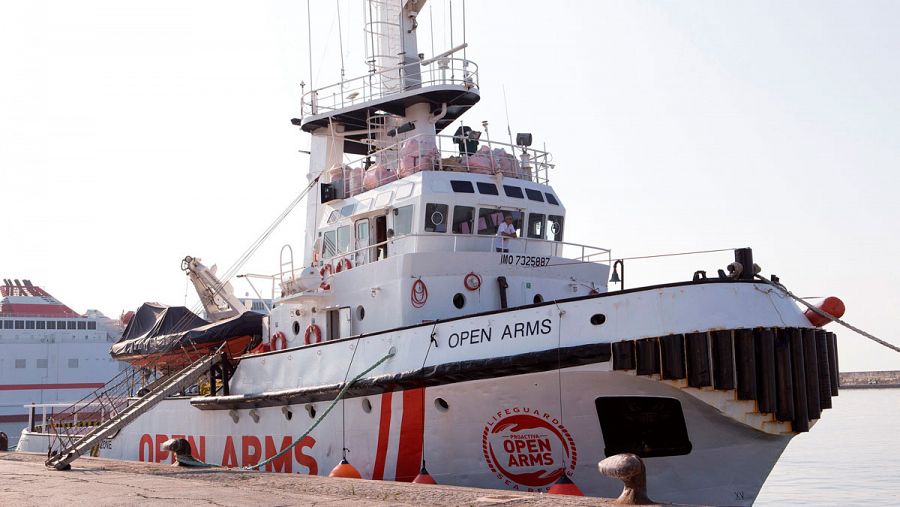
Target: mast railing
pixel 370 86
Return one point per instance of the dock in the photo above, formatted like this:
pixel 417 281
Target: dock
pixel 24 481
pixel 869 379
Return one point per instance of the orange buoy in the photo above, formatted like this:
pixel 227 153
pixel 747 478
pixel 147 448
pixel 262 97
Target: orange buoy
pixel 345 470
pixel 830 305
pixel 424 477
pixel 564 486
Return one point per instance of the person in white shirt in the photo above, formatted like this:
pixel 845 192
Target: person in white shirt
pixel 504 232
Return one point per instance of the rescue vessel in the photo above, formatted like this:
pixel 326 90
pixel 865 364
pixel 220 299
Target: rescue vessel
pixel 494 360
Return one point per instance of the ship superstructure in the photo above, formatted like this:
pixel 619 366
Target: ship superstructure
pixel 436 269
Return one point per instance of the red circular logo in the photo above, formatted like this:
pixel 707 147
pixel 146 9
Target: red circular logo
pixel 528 447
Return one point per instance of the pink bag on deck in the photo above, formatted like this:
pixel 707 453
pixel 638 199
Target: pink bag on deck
pixel 356 180
pixel 506 163
pixel 480 161
pixel 378 175
pixel 417 155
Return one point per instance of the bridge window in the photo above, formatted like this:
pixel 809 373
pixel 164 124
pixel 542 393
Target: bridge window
pixel 512 191
pixel 329 244
pixel 334 216
pixel 40 324
pixel 60 324
pixel 344 236
pixel 488 220
pixel 82 324
pixel 534 195
pixel 436 217
pixel 7 324
pixel 347 210
pixel 20 324
pixel 92 325
pixel 42 363
pixel 463 219
pixel 464 187
pixel 536 225
pixel 556 227
pixel 29 324
pixel 20 363
pixel 51 324
pixel 487 188
pixel 551 199
pixel 403 220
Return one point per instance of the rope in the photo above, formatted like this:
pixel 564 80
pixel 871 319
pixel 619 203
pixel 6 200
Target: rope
pixel 827 316
pixel 189 460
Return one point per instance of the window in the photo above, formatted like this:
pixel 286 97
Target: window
pixel 40 324
pixel 42 363
pixel 487 188
pixel 362 241
pixel 7 324
pixel 60 324
pixel 20 324
pixel 328 244
pixel 51 324
pixel 551 199
pixel 463 219
pixel 92 324
pixel 464 187
pixel 347 210
pixel 489 219
pixel 70 324
pixel 512 191
pixel 82 324
pixel 73 363
pixel 20 363
pixel 403 220
pixel 344 237
pixel 648 426
pixel 29 324
pixel 536 223
pixel 556 227
pixel 436 217
pixel 534 195
pixel 334 216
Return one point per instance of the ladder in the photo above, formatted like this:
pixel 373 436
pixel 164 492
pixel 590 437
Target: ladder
pixel 159 390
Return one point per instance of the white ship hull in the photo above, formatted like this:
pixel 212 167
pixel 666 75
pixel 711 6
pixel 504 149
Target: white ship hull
pixel 495 413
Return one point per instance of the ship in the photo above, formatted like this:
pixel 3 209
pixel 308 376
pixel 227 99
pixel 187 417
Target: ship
pixel 437 317
pixel 51 354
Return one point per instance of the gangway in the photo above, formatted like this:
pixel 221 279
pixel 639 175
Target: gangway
pixel 71 447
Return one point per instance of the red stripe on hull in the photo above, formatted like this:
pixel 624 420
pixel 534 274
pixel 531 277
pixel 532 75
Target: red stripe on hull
pixel 14 418
pixel 384 433
pixel 25 387
pixel 412 428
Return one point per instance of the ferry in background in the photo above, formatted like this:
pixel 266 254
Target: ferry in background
pixel 51 353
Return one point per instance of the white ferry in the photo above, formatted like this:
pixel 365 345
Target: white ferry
pixel 500 361
pixel 51 355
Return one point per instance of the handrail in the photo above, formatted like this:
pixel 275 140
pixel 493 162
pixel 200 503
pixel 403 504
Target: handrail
pixel 316 103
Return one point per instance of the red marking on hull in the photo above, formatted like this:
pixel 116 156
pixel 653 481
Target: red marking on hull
pixel 412 427
pixel 14 418
pixel 25 387
pixel 384 432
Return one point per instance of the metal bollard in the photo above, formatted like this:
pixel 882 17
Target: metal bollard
pixel 630 469
pixel 4 442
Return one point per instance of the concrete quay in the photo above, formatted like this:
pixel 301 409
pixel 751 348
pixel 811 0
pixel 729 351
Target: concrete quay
pixel 24 481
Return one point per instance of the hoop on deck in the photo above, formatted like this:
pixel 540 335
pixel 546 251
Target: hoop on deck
pixel 277 338
pixel 325 272
pixel 418 294
pixel 472 281
pixel 312 331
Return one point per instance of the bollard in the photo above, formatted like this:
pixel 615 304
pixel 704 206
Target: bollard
pixel 4 442
pixel 629 469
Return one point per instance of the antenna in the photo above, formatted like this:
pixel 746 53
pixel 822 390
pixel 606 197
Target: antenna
pixel 506 106
pixel 309 38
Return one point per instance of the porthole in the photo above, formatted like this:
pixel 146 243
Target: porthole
pixel 296 328
pixel 360 312
pixel 311 410
pixel 441 405
pixel 288 414
pixel 459 300
pixel 597 319
pixel 366 405
pixel 437 218
pixel 538 299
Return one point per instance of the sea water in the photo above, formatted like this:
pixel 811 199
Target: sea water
pixel 850 457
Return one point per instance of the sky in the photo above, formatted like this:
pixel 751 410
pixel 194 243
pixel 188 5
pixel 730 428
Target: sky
pixel 135 133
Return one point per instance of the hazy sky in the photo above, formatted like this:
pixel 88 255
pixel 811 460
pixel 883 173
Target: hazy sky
pixel 135 133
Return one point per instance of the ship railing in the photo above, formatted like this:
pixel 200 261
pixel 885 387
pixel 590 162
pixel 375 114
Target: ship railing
pixel 46 417
pixel 387 82
pixel 521 250
pixel 427 152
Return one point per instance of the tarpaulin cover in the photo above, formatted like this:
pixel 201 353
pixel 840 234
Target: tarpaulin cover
pixel 157 328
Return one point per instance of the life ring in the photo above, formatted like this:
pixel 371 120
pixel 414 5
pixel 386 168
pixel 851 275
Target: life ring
pixel 418 294
pixel 312 331
pixel 276 338
pixel 324 273
pixel 472 281
pixel 343 264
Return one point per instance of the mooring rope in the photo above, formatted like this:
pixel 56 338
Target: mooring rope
pixel 827 316
pixel 191 461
